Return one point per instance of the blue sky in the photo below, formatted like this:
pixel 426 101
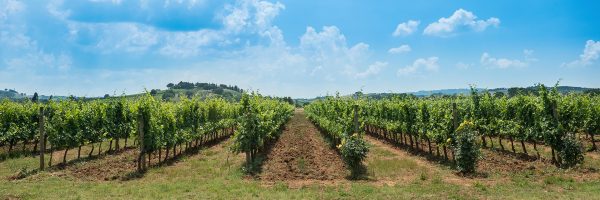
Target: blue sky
pixel 296 48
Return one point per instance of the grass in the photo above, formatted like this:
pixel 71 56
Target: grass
pixel 215 173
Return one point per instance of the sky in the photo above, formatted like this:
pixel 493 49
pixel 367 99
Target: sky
pixel 296 48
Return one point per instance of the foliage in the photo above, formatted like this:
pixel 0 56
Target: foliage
pixel 571 152
pixel 335 117
pixel 260 122
pixel 466 148
pixel 354 150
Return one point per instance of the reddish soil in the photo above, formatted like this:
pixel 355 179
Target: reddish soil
pixel 498 162
pixel 301 153
pixel 122 165
pixel 108 168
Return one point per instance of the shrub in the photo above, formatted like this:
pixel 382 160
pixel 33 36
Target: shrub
pixel 466 148
pixel 354 150
pixel 571 152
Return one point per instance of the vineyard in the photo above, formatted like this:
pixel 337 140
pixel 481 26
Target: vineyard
pixel 448 140
pixel 155 126
pixel 459 126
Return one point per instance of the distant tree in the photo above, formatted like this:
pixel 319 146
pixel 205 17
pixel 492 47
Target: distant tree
pixel 498 94
pixel 514 91
pixel 170 85
pixel 35 97
pixel 218 91
pixel 289 100
pixel 169 94
pixel 184 85
pixel 106 96
pixel 153 92
pixel 189 94
pixel 592 92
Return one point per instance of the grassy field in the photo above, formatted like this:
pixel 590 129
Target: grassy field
pixel 216 173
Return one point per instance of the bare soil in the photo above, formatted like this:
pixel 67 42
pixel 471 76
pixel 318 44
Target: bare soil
pixel 122 165
pixel 496 166
pixel 109 168
pixel 301 153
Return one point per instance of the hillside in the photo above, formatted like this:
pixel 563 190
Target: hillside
pixel 11 93
pixel 197 90
pixel 170 94
pixel 467 91
pixel 173 92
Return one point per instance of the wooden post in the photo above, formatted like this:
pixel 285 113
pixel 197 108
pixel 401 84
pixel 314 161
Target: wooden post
pixel 141 157
pixel 356 125
pixel 42 139
pixel 455 125
pixel 558 159
pixel 454 116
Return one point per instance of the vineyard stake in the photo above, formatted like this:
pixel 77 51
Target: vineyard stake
pixel 356 126
pixel 42 138
pixel 455 124
pixel 141 157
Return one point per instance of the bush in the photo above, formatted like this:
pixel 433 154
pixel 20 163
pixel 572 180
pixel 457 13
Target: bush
pixel 571 152
pixel 354 150
pixel 466 148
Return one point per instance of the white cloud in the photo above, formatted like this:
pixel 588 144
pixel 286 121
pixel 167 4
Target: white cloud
pixel 330 44
pixel 126 37
pixel 373 69
pixel 529 55
pixel 406 28
pixel 401 49
pixel 20 52
pixel 330 50
pixel 255 52
pixel 462 65
pixel 187 44
pixel 245 23
pixel 460 20
pixel 266 12
pixel 116 2
pixel 39 60
pixel 329 39
pixel 251 15
pixel 190 3
pixel 588 57
pixel 428 64
pixel 502 63
pixel 9 7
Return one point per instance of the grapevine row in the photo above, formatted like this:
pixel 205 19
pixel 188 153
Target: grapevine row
pixel 337 118
pixel 70 123
pixel 547 118
pixel 260 123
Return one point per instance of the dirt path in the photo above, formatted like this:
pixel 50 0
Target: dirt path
pixel 301 153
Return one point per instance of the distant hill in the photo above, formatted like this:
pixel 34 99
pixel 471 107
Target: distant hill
pixel 442 92
pixel 173 92
pixel 234 93
pixel 506 91
pixel 11 94
pixel 198 90
pixel 467 91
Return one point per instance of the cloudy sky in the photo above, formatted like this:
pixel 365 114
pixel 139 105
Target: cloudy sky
pixel 296 48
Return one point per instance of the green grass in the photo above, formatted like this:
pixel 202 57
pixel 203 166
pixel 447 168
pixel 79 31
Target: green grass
pixel 216 174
